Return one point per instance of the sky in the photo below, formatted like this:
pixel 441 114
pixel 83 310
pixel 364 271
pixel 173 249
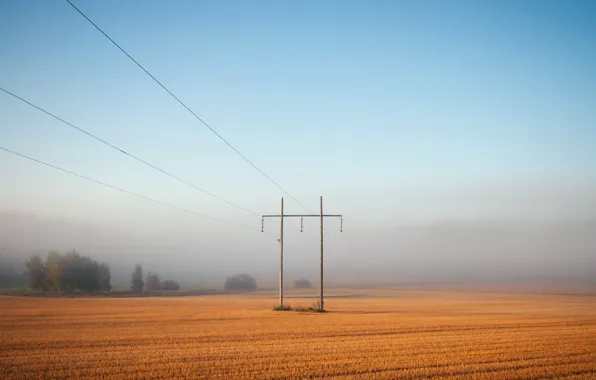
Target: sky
pixel 398 113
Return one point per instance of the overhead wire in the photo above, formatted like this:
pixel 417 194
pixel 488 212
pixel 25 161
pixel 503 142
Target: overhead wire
pixel 95 137
pixel 123 190
pixel 188 108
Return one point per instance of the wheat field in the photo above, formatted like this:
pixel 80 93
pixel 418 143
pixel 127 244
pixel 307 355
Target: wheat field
pixel 384 334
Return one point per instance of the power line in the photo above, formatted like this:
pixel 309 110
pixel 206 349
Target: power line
pixel 187 108
pixel 128 154
pixel 122 190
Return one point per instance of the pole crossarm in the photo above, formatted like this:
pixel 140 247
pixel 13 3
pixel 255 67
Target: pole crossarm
pixel 281 217
pixel 304 216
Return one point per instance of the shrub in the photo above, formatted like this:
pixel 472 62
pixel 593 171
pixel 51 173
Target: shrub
pixel 317 307
pixel 241 282
pixel 282 308
pixel 170 285
pixel 152 282
pixel 314 308
pixel 303 284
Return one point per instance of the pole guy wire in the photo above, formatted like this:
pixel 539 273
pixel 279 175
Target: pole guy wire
pixel 123 190
pixel 187 108
pixel 129 154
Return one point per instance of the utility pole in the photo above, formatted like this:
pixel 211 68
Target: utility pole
pixel 281 216
pixel 321 300
pixel 281 257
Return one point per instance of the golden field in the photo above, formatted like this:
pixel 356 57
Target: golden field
pixel 383 334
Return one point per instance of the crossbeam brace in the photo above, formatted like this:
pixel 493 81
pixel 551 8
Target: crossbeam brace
pixel 281 216
pixel 303 216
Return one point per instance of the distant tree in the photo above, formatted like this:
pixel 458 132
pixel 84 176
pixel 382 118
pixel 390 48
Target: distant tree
pixel 74 272
pixel 104 277
pixel 303 284
pixel 170 285
pixel 35 272
pixel 67 272
pixel 137 282
pixel 241 282
pixel 152 282
pixel 53 271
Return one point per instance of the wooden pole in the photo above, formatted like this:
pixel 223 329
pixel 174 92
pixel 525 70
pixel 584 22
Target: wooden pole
pixel 281 256
pixel 321 301
pixel 282 216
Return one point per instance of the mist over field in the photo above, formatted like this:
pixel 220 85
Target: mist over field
pixel 457 141
pixel 149 148
pixel 454 251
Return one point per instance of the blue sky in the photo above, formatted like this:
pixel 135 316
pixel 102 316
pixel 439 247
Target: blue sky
pixel 396 112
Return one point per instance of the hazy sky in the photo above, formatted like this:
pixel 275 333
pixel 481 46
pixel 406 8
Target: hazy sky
pixel 397 112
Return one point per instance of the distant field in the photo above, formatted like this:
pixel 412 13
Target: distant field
pixel 394 335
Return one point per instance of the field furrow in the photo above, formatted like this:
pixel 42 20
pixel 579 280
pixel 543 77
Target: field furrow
pixel 239 337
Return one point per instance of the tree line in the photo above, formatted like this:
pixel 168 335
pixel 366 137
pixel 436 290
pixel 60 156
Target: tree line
pixel 68 272
pixel 151 284
pixel 72 272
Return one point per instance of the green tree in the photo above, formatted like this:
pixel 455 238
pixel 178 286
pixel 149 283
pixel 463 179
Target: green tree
pixel 35 272
pixel 137 282
pixel 68 272
pixel 53 271
pixel 104 277
pixel 78 272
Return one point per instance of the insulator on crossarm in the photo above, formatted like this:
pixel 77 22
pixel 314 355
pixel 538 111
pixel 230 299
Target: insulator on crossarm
pixel 301 224
pixel 262 224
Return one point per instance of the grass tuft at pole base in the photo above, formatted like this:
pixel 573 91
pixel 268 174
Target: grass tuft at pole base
pixel 315 308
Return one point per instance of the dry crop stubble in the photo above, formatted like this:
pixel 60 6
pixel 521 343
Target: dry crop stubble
pixel 387 334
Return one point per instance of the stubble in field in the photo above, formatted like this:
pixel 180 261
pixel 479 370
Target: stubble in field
pixel 390 335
